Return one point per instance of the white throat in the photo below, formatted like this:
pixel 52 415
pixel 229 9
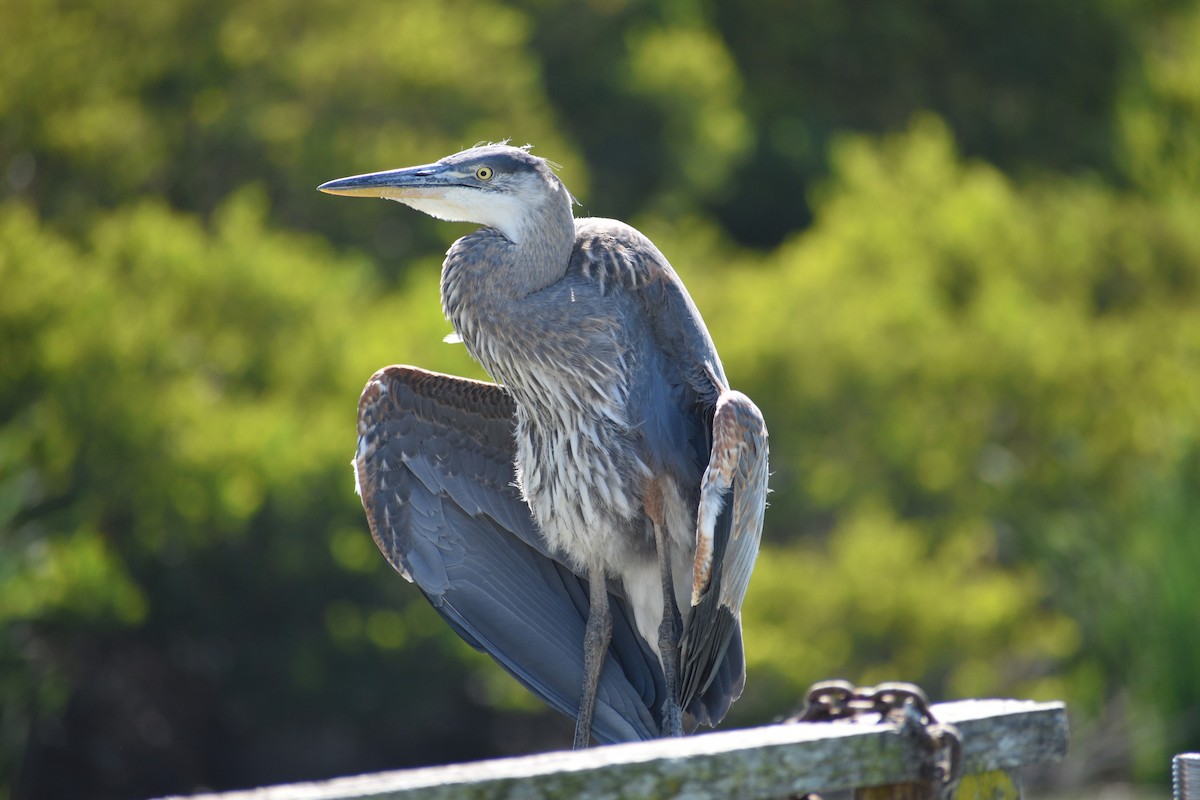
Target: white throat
pixel 494 209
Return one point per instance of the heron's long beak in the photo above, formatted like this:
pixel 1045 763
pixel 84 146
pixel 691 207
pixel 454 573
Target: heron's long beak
pixel 396 184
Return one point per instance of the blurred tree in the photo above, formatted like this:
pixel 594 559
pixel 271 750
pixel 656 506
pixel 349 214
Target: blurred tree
pixel 186 583
pixel 652 95
pixel 1160 112
pixel 1027 85
pixel 216 95
pixel 1011 371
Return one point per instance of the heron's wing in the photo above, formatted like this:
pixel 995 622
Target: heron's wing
pixel 733 446
pixel 620 258
pixel 434 469
pixel 733 495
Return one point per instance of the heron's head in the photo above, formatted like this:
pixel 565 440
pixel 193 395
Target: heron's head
pixel 496 185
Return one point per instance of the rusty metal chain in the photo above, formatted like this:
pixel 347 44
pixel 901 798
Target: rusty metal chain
pixel 904 704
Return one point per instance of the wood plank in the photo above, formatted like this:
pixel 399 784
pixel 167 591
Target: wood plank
pixel 767 762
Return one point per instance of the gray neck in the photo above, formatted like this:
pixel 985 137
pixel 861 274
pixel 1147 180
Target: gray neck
pixel 542 248
pixel 485 271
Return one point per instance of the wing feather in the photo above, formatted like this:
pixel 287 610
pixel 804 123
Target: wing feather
pixel 435 472
pixel 729 526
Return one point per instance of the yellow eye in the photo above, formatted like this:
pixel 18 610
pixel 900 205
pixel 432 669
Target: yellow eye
pixel 484 173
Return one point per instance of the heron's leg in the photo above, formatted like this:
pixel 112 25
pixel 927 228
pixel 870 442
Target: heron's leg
pixel 596 637
pixel 669 632
pixel 671 628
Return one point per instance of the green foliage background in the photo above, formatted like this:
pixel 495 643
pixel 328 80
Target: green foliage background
pixel 951 248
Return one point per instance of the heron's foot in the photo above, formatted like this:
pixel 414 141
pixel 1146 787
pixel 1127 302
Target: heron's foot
pixel 672 713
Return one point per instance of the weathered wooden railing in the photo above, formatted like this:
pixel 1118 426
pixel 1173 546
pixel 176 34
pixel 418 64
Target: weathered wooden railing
pixel 877 761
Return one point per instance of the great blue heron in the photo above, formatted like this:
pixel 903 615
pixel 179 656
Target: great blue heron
pixel 609 478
